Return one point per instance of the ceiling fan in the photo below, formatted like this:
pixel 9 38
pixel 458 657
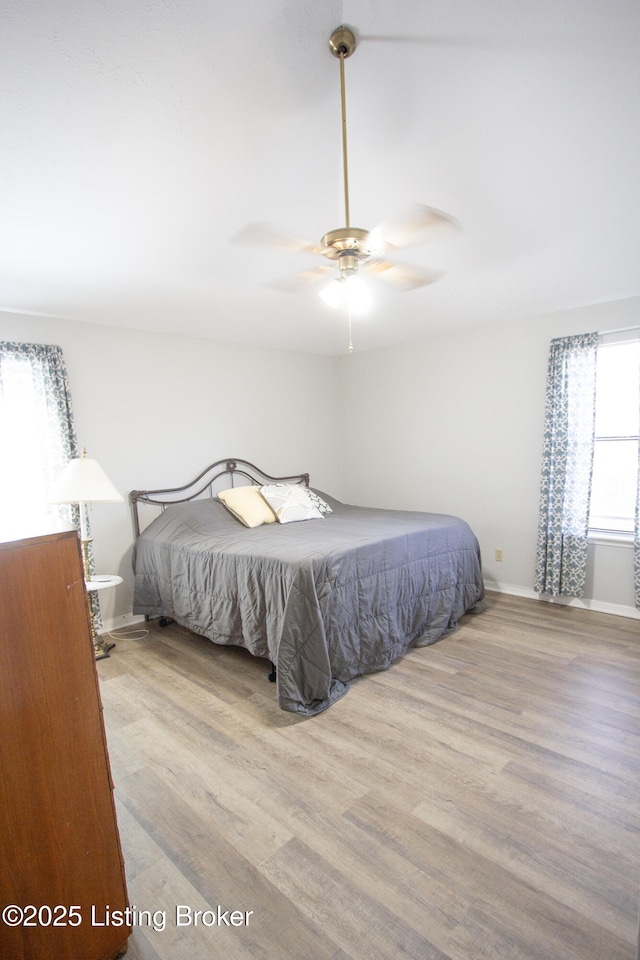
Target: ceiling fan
pixel 350 248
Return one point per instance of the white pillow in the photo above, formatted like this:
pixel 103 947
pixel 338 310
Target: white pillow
pixel 247 505
pixel 291 502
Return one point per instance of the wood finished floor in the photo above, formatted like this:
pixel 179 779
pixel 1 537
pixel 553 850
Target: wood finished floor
pixel 477 801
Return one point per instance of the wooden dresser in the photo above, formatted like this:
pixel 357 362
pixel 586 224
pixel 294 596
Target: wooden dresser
pixel 60 859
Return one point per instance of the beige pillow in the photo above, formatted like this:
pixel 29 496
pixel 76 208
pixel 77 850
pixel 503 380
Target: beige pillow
pixel 247 505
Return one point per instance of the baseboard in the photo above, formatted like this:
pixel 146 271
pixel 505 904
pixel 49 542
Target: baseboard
pixel 118 623
pixel 598 606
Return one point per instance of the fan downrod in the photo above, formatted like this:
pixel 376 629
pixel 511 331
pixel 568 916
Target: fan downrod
pixel 342 42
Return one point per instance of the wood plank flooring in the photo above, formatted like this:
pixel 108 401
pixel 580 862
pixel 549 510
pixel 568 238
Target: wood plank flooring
pixel 477 801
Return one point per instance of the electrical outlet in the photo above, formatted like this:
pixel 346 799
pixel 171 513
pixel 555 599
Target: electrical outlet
pixel 498 555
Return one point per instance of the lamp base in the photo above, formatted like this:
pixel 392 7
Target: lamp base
pixel 102 647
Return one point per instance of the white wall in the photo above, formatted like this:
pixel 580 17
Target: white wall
pixel 454 424
pixel 451 424
pixel 154 410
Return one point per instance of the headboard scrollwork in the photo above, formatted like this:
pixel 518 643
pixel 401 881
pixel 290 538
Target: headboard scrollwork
pixel 202 485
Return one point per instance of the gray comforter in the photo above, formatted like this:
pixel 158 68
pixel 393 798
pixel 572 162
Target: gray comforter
pixel 324 600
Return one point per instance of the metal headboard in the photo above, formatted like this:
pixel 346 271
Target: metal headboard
pixel 203 484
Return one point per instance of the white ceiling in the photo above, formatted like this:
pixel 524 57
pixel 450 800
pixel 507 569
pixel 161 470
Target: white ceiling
pixel 138 136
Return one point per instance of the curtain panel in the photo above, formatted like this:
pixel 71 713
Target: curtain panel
pixel 567 464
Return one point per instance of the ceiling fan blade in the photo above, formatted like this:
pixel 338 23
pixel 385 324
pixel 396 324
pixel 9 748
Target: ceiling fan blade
pixel 416 224
pixel 266 235
pixel 402 275
pixel 296 282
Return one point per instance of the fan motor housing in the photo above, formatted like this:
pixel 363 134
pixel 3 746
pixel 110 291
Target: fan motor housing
pixel 351 240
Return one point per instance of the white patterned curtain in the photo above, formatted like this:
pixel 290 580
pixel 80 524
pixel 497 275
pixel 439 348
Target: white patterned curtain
pixel 567 464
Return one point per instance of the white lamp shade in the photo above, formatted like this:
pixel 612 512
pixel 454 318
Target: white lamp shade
pixel 83 481
pixel 357 293
pixel 348 289
pixel 332 293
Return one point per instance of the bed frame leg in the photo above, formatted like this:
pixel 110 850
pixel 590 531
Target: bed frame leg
pixel 272 674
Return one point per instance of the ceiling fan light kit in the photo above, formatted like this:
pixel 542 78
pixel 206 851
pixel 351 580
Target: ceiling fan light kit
pixel 348 290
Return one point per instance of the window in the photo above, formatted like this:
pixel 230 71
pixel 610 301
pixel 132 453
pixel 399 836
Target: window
pixel 37 436
pixel 580 498
pixel 617 428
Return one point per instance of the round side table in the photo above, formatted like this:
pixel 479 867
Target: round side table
pixel 101 582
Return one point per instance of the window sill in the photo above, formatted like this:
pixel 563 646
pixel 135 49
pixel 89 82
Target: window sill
pixel 611 538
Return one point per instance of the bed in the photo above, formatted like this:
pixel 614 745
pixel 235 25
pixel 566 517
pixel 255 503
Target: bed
pixel 341 594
